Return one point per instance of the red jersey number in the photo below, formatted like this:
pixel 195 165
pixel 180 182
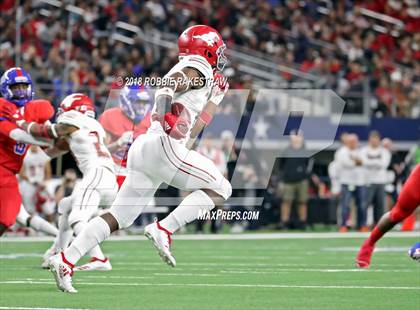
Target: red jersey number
pixel 98 146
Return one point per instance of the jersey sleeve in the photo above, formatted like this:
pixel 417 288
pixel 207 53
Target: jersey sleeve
pixel 199 63
pixel 73 118
pixel 6 127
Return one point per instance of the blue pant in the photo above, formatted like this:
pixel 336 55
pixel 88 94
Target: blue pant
pixel 358 193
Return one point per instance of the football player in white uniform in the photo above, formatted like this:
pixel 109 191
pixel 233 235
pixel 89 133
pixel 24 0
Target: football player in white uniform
pixel 78 131
pixel 182 108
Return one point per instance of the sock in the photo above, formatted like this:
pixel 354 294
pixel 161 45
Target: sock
pixel 96 231
pixel 375 235
pixel 40 224
pixel 65 233
pixel 96 250
pixel 189 210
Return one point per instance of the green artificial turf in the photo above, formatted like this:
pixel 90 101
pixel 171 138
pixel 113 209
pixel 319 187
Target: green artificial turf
pixel 221 274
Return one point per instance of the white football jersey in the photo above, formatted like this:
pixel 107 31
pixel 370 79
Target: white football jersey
pixel 193 100
pixel 88 143
pixel 34 165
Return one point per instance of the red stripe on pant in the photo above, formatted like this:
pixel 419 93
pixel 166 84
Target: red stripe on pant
pixel 170 160
pixel 188 164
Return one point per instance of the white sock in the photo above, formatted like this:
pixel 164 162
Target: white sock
pixel 39 224
pixel 96 250
pixel 188 210
pixel 96 231
pixel 65 233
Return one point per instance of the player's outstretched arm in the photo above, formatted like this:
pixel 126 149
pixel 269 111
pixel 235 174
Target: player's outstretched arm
pixel 20 135
pixel 52 131
pixel 202 121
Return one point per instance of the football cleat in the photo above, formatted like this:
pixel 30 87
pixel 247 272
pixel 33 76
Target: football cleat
pixel 161 239
pixel 364 255
pixel 62 271
pixel 414 252
pixel 95 264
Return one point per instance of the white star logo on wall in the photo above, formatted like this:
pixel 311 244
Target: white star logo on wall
pixel 260 128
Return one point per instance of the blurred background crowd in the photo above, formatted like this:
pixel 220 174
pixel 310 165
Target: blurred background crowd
pixel 368 49
pixel 368 52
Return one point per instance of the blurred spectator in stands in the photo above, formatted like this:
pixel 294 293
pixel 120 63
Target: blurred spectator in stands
pixel 35 172
pixel 351 177
pixel 296 168
pixel 375 160
pixel 395 173
pixel 229 151
pixel 67 185
pixel 211 150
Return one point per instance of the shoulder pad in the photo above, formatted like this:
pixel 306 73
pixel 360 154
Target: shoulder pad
pixel 199 63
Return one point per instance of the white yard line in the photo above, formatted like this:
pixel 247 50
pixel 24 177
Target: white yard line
pixel 257 236
pixel 232 285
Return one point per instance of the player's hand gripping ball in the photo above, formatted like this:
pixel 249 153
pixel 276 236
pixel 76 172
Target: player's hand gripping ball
pixel 177 122
pixel 414 252
pixel 61 144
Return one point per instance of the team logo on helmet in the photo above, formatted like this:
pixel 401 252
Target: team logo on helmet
pixel 210 38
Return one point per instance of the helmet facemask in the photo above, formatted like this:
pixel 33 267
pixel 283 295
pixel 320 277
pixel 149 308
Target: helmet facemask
pixel 221 58
pixel 20 93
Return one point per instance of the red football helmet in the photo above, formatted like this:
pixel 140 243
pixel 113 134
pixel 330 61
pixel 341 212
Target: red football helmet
pixel 78 102
pixel 204 41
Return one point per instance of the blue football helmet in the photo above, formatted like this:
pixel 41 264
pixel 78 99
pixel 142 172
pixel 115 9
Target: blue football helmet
pixel 135 101
pixel 414 252
pixel 15 76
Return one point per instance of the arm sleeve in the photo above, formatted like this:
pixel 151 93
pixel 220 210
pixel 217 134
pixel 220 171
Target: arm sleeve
pixel 21 135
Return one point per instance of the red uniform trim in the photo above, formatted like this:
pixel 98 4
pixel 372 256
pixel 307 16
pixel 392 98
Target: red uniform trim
pixel 167 156
pixel 66 261
pixel 188 164
pixel 19 72
pixel 165 230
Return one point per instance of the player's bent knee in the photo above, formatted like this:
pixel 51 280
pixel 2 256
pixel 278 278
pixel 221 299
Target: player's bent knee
pixel 398 214
pixel 64 205
pixel 223 189
pixel 77 215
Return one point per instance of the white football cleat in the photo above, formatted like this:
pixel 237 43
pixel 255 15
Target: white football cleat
pixel 95 264
pixel 62 272
pixel 161 239
pixel 46 257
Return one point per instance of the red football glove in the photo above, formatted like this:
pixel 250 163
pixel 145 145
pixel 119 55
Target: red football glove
pixel 175 126
pixel 175 123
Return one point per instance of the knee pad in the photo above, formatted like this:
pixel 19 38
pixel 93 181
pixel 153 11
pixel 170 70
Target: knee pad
pixel 78 215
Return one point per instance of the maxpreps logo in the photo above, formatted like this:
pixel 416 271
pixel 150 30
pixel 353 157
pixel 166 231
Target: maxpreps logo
pixel 210 38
